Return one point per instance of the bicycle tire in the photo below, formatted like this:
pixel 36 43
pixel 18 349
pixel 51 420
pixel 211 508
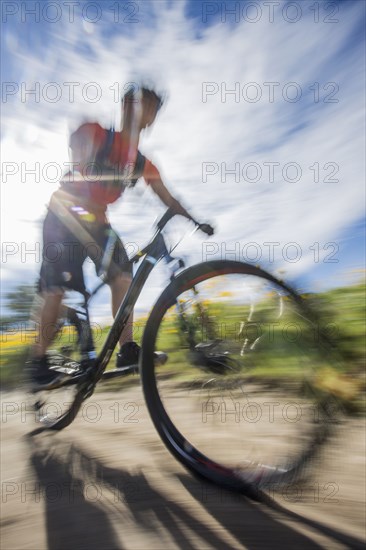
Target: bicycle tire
pixel 56 408
pixel 163 390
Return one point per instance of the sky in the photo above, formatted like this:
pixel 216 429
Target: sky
pixel 262 133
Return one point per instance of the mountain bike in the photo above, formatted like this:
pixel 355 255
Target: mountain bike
pixel 240 400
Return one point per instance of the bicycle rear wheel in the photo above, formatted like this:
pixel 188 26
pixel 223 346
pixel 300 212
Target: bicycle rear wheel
pixel 240 400
pixel 56 408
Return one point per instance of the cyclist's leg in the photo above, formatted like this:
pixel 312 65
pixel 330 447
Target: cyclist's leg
pixel 118 272
pixel 116 267
pixel 119 286
pixel 61 268
pixel 47 321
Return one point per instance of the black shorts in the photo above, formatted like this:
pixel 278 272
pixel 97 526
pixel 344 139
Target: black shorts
pixel 64 254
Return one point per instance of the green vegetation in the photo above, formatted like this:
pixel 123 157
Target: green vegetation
pixel 283 345
pixel 330 350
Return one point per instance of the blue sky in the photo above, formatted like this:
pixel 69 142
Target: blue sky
pixel 276 97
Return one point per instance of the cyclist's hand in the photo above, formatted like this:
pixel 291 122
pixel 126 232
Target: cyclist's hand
pixel 206 228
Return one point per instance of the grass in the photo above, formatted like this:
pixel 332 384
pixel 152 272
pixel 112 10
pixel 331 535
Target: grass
pixel 277 359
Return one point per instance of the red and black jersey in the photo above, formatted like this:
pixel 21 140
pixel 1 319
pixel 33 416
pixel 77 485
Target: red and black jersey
pixel 103 164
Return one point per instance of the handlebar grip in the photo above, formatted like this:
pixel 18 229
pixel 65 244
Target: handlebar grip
pixel 206 228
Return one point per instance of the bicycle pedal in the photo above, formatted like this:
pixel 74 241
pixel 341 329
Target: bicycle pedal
pixel 160 358
pixel 121 371
pixel 69 368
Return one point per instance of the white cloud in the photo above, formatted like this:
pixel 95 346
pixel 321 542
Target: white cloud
pixel 191 132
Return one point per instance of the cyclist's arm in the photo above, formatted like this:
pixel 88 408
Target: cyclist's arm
pixel 152 177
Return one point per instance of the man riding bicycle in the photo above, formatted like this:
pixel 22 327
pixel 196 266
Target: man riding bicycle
pixel 76 224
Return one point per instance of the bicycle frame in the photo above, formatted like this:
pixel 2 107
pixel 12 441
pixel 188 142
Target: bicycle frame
pixel 95 365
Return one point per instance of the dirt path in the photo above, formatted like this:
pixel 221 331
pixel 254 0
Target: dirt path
pixel 107 482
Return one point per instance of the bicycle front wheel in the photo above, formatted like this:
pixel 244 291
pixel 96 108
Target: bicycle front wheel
pixel 239 401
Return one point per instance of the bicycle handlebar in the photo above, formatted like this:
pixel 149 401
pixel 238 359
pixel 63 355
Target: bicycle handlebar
pixel 166 217
pixel 170 213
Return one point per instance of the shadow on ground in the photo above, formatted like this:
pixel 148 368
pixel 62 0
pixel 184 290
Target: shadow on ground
pixel 89 505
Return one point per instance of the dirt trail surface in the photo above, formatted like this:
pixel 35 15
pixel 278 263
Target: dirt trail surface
pixel 107 482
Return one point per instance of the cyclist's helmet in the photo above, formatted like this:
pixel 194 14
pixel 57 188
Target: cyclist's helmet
pixel 143 92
